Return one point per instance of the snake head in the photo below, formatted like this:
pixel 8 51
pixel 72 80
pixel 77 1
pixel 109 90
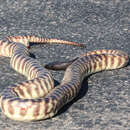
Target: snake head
pixel 59 65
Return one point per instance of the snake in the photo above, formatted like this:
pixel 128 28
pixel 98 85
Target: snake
pixel 37 98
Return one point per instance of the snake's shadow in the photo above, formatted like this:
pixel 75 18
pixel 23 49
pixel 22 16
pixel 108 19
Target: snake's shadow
pixel 81 94
pixel 129 62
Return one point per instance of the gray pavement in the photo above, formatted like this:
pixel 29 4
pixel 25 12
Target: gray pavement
pixel 103 102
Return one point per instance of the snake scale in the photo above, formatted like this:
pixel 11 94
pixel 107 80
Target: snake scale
pixel 37 98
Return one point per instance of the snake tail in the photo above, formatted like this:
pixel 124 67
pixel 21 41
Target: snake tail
pixel 26 40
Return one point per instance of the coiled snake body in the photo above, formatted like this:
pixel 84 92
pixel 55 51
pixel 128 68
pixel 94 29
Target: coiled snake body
pixel 37 98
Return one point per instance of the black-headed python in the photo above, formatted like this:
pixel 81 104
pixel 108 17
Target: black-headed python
pixel 37 98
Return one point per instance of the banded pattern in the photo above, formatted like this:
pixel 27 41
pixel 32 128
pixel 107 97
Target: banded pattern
pixel 13 100
pixel 37 98
pixel 63 65
pixel 33 39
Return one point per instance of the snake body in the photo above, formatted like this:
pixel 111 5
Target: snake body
pixel 37 98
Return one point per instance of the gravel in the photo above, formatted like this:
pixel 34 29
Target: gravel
pixel 103 102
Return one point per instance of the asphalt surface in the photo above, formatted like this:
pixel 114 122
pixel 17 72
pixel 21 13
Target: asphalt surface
pixel 104 100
